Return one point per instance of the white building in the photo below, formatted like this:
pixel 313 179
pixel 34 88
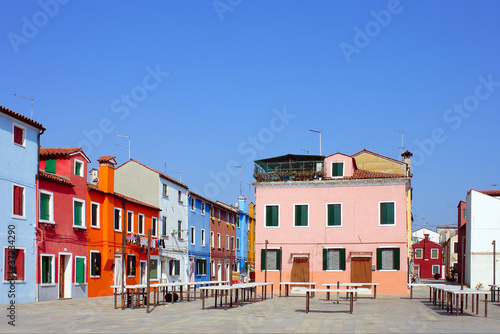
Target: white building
pixel 419 234
pixel 146 184
pixel 482 227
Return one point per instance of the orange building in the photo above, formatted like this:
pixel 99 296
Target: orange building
pixel 115 220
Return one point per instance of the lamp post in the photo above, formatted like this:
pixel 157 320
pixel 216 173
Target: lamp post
pixel 494 261
pixel 315 131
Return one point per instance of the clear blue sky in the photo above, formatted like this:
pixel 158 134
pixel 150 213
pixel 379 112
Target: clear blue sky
pixel 199 84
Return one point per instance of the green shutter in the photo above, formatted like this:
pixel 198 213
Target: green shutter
pixel 271 215
pixel 331 214
pixel 301 215
pixel 337 216
pixel 78 168
pixel 153 272
pixel 379 258
pixel 298 210
pixel 80 270
pixel 304 215
pixel 78 214
pixel 386 213
pixel 44 269
pixel 50 166
pixel 275 216
pixel 342 259
pixel 278 259
pixel 45 206
pixel 263 259
pixel 325 261
pixel 396 259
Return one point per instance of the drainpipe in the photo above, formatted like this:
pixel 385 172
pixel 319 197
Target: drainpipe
pixel 494 261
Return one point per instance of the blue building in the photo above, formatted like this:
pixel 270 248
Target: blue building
pixel 199 232
pixel 242 235
pixel 19 148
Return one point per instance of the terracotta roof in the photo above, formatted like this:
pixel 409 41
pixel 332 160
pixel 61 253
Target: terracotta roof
pixel 226 206
pixel 160 173
pixel 106 158
pixel 93 187
pixel 191 193
pixel 61 152
pixel 490 192
pixel 22 118
pixel 406 154
pixel 55 178
pixel 378 155
pixel 365 174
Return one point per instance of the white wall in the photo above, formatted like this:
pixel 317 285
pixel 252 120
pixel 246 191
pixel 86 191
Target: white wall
pixel 433 236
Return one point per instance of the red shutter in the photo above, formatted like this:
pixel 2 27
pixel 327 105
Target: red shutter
pixel 18 201
pixel 6 265
pixel 20 264
pixel 18 135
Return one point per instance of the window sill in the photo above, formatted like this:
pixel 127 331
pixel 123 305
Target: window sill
pixel 334 270
pixel 18 217
pixel 20 145
pixel 47 285
pixel 389 270
pixel 96 227
pixel 14 281
pixel 49 222
pixel 80 284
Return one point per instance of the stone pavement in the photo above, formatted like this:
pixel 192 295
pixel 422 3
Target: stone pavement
pixel 385 314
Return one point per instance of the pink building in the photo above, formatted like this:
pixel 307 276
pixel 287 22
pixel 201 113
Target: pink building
pixel 332 220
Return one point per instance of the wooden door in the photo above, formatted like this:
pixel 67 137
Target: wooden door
pixel 361 269
pixel 300 270
pixel 62 270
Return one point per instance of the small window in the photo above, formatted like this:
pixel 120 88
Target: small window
pixel 165 188
pixel 218 240
pixel 179 196
pixel 212 268
pixel 301 215
pixel 192 236
pixel 418 253
pixel 387 258
pixel 334 215
pixel 47 270
pixel 19 135
pixel 118 219
pixel 333 259
pixel 227 217
pixel 272 215
pixel 273 259
pixel 175 267
pixel 153 269
pixel 51 166
pixel 202 238
pixel 95 215
pixel 131 265
pixel 164 226
pixel 154 222
pixel 203 208
pixel 46 207
pixel 14 264
pixel 78 168
pixel 140 223
pixel 201 267
pixel 18 201
pixel 232 243
pixel 79 270
pixel 387 213
pixel 218 213
pixel 78 213
pixel 434 253
pixel 130 222
pixel 238 221
pixel 237 243
pixel 435 269
pixel 337 169
pixel 455 247
pixel 95 264
pixel 192 204
pixel 179 229
pixel 465 213
pixel 227 242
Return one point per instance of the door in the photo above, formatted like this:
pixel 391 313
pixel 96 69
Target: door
pixel 192 269
pixel 300 269
pixel 361 269
pixel 65 276
pixel 219 272
pixel 144 277
pixel 228 273
pixel 117 271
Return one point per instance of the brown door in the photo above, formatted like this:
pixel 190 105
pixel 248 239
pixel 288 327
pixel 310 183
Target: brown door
pixel 361 269
pixel 300 270
pixel 61 276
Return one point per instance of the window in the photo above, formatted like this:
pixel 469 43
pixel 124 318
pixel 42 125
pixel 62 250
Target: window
pixel 51 166
pixel 131 265
pixel 337 169
pixel 192 236
pixel 202 238
pixel 118 219
pixel 227 217
pixel 227 242
pixel 273 259
pixel 218 240
pixel 202 208
pixel 153 269
pixel 212 268
pixel 435 269
pixel 237 243
pixel 434 253
pixel 201 267
pixel 14 264
pixel 165 188
pixel 140 223
pixel 130 222
pixel 179 230
pixel 47 270
pixel 301 215
pixel 78 167
pixel 192 204
pixel 465 213
pixel 232 243
pixel 19 135
pixel 164 226
pixel 46 207
pixel 79 270
pixel 272 215
pixel 95 264
pixel 154 222
pixel 334 215
pixel 418 253
pixel 179 196
pixel 78 213
pixel 95 215
pixel 18 201
pixel 387 213
pixel 212 241
pixel 175 267
pixel 218 213
pixel 455 247
pixel 238 221
pixel 387 258
pixel 333 259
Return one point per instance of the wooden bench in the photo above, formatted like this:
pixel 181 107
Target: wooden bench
pixel 349 292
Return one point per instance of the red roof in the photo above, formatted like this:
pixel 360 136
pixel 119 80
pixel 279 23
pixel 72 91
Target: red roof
pixel 21 118
pixel 47 153
pixel 490 192
pixel 365 174
pixel 106 158
pixel 379 155
pixel 160 173
pixel 93 187
pixel 55 178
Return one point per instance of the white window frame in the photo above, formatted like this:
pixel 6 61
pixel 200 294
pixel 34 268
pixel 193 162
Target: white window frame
pixel 98 215
pixel 164 190
pixel 395 218
pixel 139 216
pixel 120 222
pixel 164 224
pixel 227 241
pixel 192 236
pixel 218 213
pixel 203 237
pixel 227 217
pixel 281 255
pixel 335 270
pixel 158 267
pixel 154 227
pixel 212 239
pixel 391 247
pixel 202 208
pixel 84 270
pixel 179 196
pixel 341 215
pixel 437 253
pixel 132 221
pixel 343 169
pixel 84 226
pixel 90 268
pixel 192 204
pixel 173 271
pixel 279 216
pixel 82 172
pixel 212 268
pixel 179 230
pixel 14 124
pixel 51 207
pixel 218 240
pixel 308 215
pixel 438 269
pixel 126 265
pixel 421 253
pixel 52 256
pixel 6 249
pixel 237 243
pixel 24 202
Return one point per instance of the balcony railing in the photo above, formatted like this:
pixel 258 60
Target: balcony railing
pixel 288 171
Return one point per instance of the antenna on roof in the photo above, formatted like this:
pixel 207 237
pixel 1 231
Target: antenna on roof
pixel 180 174
pixel 402 141
pixel 494 185
pixel 27 98
pixel 307 152
pixel 125 145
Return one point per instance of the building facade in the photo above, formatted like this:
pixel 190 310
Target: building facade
pixel 461 224
pixel 448 239
pixel 199 233
pixel 428 259
pixel 327 220
pixel 19 148
pixel 251 241
pixel 242 221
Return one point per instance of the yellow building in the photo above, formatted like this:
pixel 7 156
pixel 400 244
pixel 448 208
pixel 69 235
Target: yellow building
pixel 251 241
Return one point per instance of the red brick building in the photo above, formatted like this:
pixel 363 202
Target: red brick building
pixel 428 258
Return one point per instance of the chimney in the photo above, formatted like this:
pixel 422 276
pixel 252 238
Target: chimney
pixel 106 174
pixel 407 159
pixel 242 203
pixel 94 176
pixel 426 236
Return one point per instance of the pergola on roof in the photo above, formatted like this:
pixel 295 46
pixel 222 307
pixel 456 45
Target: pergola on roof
pixel 269 163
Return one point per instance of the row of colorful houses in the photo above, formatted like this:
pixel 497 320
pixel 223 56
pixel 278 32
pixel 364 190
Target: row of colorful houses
pixel 65 236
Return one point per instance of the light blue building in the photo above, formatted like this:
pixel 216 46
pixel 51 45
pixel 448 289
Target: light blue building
pixel 242 235
pixel 199 234
pixel 19 148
